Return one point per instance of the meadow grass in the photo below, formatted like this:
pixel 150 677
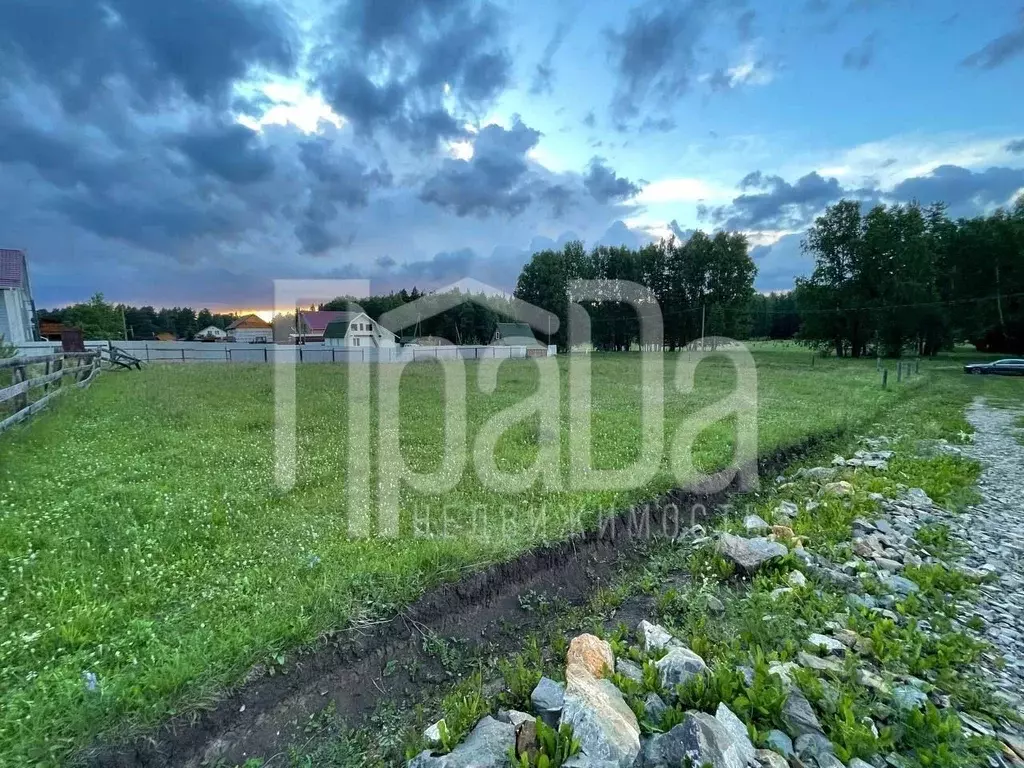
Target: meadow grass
pixel 143 540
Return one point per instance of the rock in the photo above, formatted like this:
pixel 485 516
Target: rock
pixel 514 716
pixel 830 644
pixel 861 601
pixel 869 679
pixel 780 742
pixel 678 666
pixel 858 763
pixel 486 747
pixel 811 746
pixel 750 554
pixel 629 670
pixel 898 584
pixel 818 664
pixel 738 730
pixel 783 532
pixel 754 524
pixel 654 707
pixel 699 740
pixel 592 652
pixel 828 760
pixel 769 759
pixel 918 498
pixel 775 594
pixel 715 605
pixel 605 726
pixel 432 733
pixel 798 716
pixel 816 473
pixel 888 565
pixel 748 674
pixel 547 700
pixel 786 510
pixel 783 671
pixel 810 506
pixel 796 579
pixel 907 697
pixel 655 637
pixel 526 739
pixel 847 637
pixel 839 488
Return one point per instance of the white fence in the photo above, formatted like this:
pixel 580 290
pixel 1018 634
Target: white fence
pixel 224 352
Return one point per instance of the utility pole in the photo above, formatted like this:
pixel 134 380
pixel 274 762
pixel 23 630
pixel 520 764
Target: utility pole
pixel 124 324
pixel 702 307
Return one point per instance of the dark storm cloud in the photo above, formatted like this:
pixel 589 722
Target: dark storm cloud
pixel 655 53
pixel 337 177
pixel 1015 147
pixel 965 191
pixel 999 51
pixel 779 263
pixel 494 180
pixel 779 204
pixel 194 47
pixel 389 61
pixel 604 185
pixel 231 151
pixel 543 74
pixel 861 56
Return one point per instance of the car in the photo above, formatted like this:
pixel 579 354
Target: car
pixel 1008 367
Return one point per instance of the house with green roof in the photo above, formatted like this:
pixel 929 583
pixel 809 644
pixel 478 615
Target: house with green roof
pixel 515 335
pixel 357 330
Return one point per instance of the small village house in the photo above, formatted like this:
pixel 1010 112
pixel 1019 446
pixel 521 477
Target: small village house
pixel 212 333
pixel 310 326
pixel 357 329
pixel 17 310
pixel 514 335
pixel 251 329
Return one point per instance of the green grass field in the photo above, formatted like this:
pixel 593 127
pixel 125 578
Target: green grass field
pixel 143 540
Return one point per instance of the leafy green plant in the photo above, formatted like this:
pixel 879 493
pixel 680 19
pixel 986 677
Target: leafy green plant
pixel 554 747
pixel 762 701
pixel 462 708
pixel 521 675
pixel 723 683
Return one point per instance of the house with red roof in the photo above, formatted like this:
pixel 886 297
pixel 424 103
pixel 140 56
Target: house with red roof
pixel 17 310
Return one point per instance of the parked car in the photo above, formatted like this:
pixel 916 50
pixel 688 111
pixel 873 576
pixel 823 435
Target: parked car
pixel 1007 367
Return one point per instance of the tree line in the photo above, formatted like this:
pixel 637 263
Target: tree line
pixel 705 282
pixel 890 280
pixel 904 278
pixel 99 319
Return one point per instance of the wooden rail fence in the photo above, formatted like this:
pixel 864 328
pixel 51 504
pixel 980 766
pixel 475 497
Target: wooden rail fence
pixel 81 366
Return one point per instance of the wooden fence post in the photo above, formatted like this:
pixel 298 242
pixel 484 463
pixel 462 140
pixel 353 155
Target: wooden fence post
pixel 885 377
pixel 899 372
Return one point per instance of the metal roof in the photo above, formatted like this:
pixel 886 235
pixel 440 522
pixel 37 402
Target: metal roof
pixel 13 273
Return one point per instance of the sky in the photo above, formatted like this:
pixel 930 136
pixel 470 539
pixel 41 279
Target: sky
pixel 190 153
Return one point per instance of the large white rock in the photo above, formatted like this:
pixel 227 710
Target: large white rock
pixel 605 726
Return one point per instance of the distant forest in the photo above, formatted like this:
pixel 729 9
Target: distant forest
pixel 892 280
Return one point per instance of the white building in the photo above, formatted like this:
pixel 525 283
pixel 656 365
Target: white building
pixel 17 312
pixel 212 333
pixel 251 329
pixel 357 329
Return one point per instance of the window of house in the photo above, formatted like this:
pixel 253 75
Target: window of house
pixel 355 341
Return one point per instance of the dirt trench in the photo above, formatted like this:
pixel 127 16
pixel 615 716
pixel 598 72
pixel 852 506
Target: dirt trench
pixel 268 713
